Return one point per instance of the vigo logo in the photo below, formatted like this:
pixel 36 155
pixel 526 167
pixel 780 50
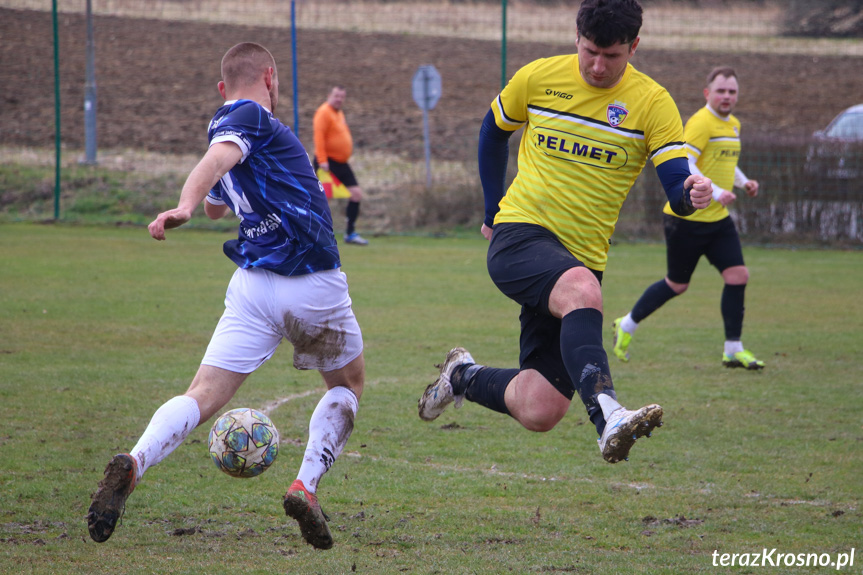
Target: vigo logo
pixel 558 93
pixel 579 149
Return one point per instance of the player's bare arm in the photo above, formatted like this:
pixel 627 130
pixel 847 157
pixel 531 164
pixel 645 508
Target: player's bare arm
pixel 218 160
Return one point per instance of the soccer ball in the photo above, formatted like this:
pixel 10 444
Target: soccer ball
pixel 243 442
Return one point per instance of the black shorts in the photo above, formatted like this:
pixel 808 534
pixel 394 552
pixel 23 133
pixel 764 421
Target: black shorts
pixel 524 262
pixel 341 170
pixel 687 241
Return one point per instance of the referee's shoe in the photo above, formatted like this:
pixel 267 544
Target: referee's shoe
pixel 356 239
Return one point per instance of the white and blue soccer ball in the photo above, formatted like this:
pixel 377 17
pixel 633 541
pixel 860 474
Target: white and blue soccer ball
pixel 243 442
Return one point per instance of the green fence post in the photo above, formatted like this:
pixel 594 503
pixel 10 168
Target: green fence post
pixel 56 114
pixel 503 45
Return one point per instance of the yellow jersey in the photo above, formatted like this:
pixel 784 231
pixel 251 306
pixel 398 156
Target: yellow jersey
pixel 714 143
pixel 582 149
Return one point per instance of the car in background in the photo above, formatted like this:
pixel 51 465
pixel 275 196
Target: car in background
pixel 836 152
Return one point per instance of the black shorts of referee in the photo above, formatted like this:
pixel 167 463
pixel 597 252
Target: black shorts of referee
pixel 341 170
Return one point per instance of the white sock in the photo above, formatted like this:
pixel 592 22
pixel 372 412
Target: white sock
pixel 329 429
pixel 627 325
pixel 732 347
pixel 608 404
pixel 170 425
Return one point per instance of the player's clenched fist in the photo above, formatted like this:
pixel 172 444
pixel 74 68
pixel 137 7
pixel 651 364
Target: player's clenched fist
pixel 700 191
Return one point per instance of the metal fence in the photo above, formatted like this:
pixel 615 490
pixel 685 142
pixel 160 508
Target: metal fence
pixel 157 66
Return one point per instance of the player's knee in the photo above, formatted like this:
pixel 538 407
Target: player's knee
pixel 352 376
pixel 542 418
pixel 737 275
pixel 677 288
pixel 577 288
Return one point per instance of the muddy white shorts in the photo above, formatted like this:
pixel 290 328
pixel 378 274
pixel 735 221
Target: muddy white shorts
pixel 313 312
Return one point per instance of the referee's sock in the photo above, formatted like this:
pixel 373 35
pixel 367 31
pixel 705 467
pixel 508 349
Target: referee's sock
pixel 352 212
pixel 586 361
pixel 653 298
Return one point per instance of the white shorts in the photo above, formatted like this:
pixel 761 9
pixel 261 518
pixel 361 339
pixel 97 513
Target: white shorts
pixel 313 312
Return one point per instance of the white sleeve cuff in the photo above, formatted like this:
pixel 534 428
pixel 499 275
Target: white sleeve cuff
pixel 740 178
pixel 235 138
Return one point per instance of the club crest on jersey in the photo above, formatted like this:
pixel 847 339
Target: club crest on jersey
pixel 616 114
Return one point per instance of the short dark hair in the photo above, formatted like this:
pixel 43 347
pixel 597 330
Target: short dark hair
pixel 726 71
pixel 245 63
pixel 607 22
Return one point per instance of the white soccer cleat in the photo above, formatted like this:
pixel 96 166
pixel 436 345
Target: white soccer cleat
pixel 623 427
pixel 439 395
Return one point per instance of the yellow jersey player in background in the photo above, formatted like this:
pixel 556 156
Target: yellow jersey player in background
pixel 591 122
pixel 713 145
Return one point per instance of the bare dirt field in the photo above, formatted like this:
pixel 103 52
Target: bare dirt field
pixel 157 82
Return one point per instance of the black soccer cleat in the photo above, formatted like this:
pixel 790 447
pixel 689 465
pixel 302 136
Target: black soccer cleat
pixel 109 501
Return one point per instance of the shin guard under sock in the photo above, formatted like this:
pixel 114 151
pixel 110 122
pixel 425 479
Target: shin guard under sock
pixel 329 430
pixel 168 428
pixel 653 298
pixel 487 387
pixel 586 361
pixel 732 310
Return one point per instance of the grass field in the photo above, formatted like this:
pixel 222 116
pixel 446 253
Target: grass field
pixel 100 325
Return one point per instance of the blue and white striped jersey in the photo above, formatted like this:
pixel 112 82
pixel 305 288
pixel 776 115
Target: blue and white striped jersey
pixel 285 221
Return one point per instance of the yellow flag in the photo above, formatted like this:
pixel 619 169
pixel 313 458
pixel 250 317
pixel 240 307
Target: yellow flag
pixel 333 187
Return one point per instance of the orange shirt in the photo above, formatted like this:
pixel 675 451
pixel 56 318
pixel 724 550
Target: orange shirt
pixel 332 136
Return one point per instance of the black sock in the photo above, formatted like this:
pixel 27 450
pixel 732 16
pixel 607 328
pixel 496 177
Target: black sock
pixel 653 298
pixel 732 310
pixel 586 361
pixel 483 385
pixel 462 377
pixel 352 212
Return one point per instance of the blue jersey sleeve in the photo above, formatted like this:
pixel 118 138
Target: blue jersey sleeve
pixel 673 174
pixel 215 196
pixel 493 152
pixel 245 124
